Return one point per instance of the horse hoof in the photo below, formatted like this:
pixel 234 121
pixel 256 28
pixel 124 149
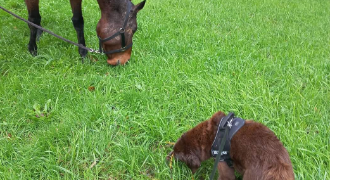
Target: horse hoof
pixel 33 50
pixel 82 52
pixel 33 53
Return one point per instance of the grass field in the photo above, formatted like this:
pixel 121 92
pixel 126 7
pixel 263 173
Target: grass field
pixel 264 60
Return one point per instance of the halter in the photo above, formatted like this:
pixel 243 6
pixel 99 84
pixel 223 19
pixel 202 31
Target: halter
pixel 120 32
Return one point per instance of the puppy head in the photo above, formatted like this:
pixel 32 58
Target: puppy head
pixel 194 145
pixel 183 151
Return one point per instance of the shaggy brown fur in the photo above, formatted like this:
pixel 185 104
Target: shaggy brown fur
pixel 255 150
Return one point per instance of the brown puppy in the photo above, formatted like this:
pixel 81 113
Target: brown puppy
pixel 256 152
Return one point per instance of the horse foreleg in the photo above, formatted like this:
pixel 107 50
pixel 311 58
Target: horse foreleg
pixel 77 20
pixel 34 17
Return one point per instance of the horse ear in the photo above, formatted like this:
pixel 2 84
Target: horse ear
pixel 139 6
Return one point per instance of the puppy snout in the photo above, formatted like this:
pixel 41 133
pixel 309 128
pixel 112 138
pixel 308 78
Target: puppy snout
pixel 169 157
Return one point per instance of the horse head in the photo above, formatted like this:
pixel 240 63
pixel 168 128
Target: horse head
pixel 116 28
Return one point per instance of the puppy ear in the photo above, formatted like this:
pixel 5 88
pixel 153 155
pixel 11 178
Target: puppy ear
pixel 216 118
pixel 193 163
pixel 190 159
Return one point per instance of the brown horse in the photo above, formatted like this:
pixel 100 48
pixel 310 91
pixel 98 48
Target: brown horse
pixel 115 29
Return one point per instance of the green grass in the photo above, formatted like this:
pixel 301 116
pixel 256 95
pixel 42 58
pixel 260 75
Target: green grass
pixel 264 60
